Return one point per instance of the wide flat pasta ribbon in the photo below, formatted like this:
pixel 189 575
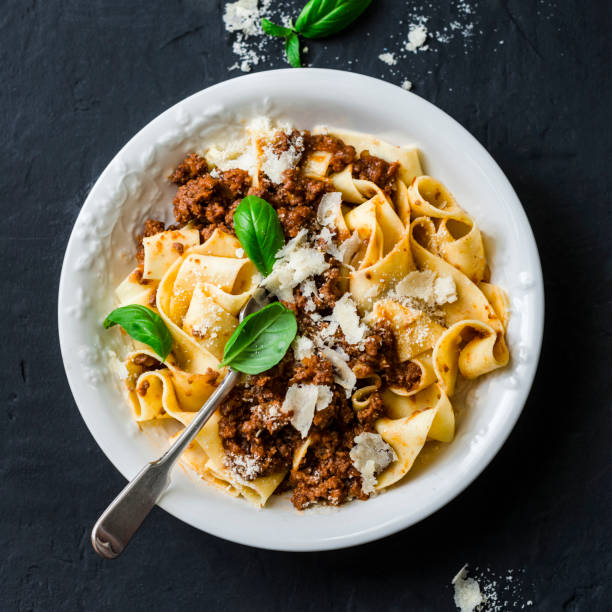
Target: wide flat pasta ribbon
pixel 408 157
pixel 433 397
pixel 457 239
pixel 415 332
pixel 471 302
pixel 406 436
pixel 470 347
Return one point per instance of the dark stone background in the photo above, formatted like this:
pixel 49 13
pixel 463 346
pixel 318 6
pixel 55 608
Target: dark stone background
pixel 79 78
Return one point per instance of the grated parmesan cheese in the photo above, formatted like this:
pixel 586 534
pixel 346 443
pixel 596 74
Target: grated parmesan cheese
pixel 345 315
pixel 371 455
pixel 244 467
pixel 407 85
pixel 242 16
pixel 275 164
pixel 295 263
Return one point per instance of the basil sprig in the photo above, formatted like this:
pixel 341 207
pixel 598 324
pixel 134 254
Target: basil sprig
pixel 321 18
pixel 142 324
pixel 318 18
pixel 260 233
pixel 261 340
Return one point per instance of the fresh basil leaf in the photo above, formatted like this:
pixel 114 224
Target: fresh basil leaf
pixel 274 30
pixel 142 324
pixel 292 49
pixel 259 231
pixel 261 340
pixel 326 17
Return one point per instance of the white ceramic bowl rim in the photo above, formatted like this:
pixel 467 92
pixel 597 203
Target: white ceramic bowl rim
pixel 308 96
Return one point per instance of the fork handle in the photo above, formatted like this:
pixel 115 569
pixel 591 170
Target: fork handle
pixel 120 521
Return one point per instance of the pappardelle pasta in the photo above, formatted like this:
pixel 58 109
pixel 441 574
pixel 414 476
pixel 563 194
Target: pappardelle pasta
pixel 387 277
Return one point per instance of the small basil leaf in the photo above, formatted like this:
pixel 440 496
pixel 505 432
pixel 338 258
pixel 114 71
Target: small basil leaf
pixel 261 340
pixel 292 49
pixel 274 30
pixel 144 325
pixel 259 231
pixel 326 17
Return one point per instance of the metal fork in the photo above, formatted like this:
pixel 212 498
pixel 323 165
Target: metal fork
pixel 120 521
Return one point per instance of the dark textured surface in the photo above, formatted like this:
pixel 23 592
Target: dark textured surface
pixel 78 78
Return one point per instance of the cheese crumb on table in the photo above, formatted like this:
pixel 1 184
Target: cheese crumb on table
pixel 416 38
pixel 467 591
pixel 388 58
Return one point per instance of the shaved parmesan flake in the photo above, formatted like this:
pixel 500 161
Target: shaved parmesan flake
pixel 349 247
pixel 294 264
pixel 329 207
pixel 345 377
pixel 301 401
pixel 345 314
pixel 445 290
pixel 427 287
pixel 325 396
pixel 417 285
pixel 371 455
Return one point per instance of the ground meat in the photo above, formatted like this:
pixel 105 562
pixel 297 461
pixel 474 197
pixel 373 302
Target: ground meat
pixel 208 202
pixel 296 199
pixel 333 286
pixel 342 154
pixel 151 227
pixel 405 375
pixel 147 362
pixel 314 370
pixel 253 430
pixel 191 167
pixel 371 168
pixel 327 473
pixel 372 412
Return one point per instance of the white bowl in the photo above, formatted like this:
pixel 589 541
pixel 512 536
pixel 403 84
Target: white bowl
pixel 134 186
